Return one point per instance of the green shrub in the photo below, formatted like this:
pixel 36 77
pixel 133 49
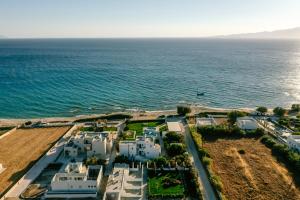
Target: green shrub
pixel 183 110
pixel 216 182
pixel 160 161
pixel 295 107
pixel 291 157
pixel 237 131
pixel 94 161
pixel 278 111
pixel 269 142
pixel 262 109
pixel 175 149
pixel 255 133
pixel 232 116
pixel 121 159
pixel 173 137
pixel 163 128
pixel 206 161
pixel 90 128
pixel 241 151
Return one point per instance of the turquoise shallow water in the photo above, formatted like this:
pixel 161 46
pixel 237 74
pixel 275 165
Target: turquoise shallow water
pixel 67 77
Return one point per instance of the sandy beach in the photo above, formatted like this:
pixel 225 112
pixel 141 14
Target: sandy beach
pixel 136 115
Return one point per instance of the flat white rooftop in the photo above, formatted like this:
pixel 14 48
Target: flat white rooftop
pixel 205 121
pixel 124 183
pixel 174 126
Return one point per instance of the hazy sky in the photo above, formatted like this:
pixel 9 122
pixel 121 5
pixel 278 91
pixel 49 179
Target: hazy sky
pixel 144 18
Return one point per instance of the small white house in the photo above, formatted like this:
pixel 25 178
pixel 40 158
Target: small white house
pixel 294 142
pixel 203 121
pixel 246 123
pixel 143 147
pixel 128 148
pixel 97 144
pixel 76 181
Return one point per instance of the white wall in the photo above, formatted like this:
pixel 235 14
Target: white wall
pixel 128 149
pixel 72 185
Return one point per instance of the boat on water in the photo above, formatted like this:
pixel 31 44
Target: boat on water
pixel 200 93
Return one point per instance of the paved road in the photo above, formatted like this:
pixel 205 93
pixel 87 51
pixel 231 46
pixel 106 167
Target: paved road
pixel 110 164
pixel 206 188
pixel 34 172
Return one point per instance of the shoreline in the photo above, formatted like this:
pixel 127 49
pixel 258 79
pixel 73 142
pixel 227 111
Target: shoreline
pixel 136 114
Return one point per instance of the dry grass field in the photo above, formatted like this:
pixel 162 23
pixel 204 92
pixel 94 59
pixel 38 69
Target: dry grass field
pixel 252 175
pixel 22 148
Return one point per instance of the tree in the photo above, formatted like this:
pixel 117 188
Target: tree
pixel 173 137
pixel 262 109
pixel 296 107
pixel 175 149
pixel 183 110
pixel 234 115
pixel 121 159
pixel 160 161
pixel 278 111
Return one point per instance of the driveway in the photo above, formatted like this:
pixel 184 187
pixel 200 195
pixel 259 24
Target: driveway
pixel 205 186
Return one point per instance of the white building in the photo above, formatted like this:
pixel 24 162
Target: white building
pixel 143 147
pixel 76 181
pixel 97 144
pixel 294 142
pixel 246 123
pixel 200 122
pixel 124 183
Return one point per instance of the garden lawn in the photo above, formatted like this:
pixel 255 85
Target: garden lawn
pixel 110 129
pixel 138 126
pixel 155 184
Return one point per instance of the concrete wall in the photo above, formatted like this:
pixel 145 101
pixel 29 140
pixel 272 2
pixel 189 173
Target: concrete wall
pixel 128 149
pixel 72 185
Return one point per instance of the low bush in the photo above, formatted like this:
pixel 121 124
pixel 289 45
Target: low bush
pixel 269 142
pixel 90 128
pixel 175 149
pixel 205 157
pixel 160 161
pixel 183 110
pixel 216 182
pixel 291 158
pixel 169 182
pixel 192 183
pixel 241 151
pixel 121 159
pixel 206 161
pixel 173 137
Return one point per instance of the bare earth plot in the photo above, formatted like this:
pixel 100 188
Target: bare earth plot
pixel 22 148
pixel 253 175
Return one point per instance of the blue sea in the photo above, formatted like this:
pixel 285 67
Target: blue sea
pixel 68 77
